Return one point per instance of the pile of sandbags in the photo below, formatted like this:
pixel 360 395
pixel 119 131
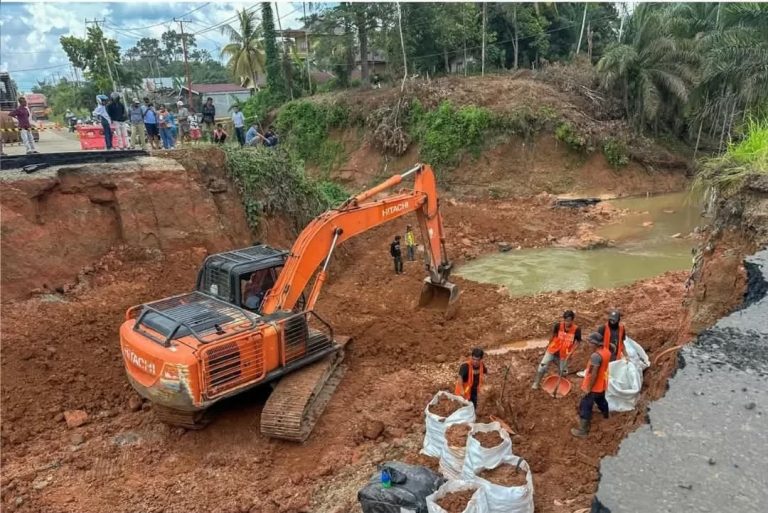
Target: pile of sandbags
pixel 481 461
pixel 625 377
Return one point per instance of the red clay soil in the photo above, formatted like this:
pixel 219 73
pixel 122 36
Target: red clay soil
pixel 445 407
pixel 61 352
pixel 505 475
pixel 488 439
pixel 456 435
pixel 456 502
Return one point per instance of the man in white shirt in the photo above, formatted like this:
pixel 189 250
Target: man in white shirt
pixel 238 120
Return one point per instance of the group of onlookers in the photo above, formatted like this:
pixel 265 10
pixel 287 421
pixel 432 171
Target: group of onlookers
pixel 156 125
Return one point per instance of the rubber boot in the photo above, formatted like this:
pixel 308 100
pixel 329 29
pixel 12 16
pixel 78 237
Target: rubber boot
pixel 537 379
pixel 583 430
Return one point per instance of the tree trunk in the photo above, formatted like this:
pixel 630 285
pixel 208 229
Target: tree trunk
pixel 361 20
pixel 402 45
pixel 581 34
pixel 626 96
pixel 482 66
pixel 516 42
pixel 445 58
pixel 698 138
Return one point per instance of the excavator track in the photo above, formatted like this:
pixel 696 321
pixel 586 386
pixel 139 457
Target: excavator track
pixel 180 418
pixel 299 399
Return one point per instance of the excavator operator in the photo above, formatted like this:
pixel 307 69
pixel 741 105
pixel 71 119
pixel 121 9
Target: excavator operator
pixel 256 288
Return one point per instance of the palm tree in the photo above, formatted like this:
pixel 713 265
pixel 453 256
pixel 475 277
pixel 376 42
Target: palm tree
pixel 655 69
pixel 245 49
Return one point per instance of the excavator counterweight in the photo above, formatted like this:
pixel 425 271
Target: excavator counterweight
pixel 251 319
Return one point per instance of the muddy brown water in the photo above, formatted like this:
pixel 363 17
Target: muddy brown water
pixel 644 247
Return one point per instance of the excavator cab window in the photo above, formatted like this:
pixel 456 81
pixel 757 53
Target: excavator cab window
pixel 255 285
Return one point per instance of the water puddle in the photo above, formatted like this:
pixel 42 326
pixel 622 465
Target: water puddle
pixel 521 345
pixel 645 246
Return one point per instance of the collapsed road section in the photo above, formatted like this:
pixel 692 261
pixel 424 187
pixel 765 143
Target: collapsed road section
pixel 703 448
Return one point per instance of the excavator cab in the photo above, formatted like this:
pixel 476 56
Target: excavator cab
pixel 242 277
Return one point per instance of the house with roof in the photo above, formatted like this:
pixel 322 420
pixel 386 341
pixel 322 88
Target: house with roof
pixel 224 96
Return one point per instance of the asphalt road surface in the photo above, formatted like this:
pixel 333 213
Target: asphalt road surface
pixel 51 141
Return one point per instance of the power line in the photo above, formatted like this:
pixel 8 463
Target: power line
pixel 37 69
pixel 169 21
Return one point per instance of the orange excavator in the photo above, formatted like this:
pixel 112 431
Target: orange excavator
pixel 249 321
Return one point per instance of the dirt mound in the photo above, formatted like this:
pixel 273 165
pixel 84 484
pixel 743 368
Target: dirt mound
pixel 456 435
pixel 488 439
pixel 445 407
pixel 456 502
pixel 505 475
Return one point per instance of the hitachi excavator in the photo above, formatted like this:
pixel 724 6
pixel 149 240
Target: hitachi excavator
pixel 249 321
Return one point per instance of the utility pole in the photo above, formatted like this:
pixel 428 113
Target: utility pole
pixel 186 62
pixel 104 50
pixel 482 66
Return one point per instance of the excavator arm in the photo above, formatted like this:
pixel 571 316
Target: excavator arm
pixel 317 241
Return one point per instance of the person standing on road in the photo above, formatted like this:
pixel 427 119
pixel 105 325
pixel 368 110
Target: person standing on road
pixel 116 111
pixel 397 255
pixel 614 334
pixel 22 114
pixel 182 120
pixel 165 121
pixel 565 335
pixel 209 118
pixel 410 243
pixel 136 117
pixel 594 384
pixel 238 120
pixel 100 112
pixel 150 123
pixel 470 377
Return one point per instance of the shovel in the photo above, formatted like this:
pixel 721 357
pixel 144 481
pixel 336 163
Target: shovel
pixel 555 385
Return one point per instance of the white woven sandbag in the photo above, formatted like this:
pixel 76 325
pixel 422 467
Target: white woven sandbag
pixel 508 499
pixel 477 504
pixel 625 379
pixel 434 438
pixel 636 354
pixel 479 456
pixel 452 459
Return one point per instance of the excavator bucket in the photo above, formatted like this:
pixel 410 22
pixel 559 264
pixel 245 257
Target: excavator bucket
pixel 440 297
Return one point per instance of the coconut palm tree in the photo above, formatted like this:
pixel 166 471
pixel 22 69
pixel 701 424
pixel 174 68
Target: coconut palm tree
pixel 245 49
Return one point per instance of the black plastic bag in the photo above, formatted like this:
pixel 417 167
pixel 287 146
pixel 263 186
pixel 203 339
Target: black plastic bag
pixel 410 487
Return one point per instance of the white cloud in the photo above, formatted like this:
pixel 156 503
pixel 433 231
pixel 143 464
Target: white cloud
pixel 31 30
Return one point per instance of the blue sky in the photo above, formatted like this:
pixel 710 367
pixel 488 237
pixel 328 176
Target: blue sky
pixel 30 49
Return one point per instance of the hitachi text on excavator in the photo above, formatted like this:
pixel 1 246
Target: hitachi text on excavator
pixel 250 322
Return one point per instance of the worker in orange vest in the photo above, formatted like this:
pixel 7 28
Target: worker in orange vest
pixel 565 335
pixel 594 384
pixel 613 334
pixel 470 377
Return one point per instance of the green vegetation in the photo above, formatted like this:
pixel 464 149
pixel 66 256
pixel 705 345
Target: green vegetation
pixel 245 49
pixel 566 133
pixel 304 127
pixel 727 172
pixel 446 132
pixel 615 152
pixel 271 182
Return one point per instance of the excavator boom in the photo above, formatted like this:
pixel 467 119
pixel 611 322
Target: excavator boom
pixel 359 214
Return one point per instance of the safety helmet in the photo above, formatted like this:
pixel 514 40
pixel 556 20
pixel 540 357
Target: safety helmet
pixel 179 103
pixel 115 95
pixel 101 98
